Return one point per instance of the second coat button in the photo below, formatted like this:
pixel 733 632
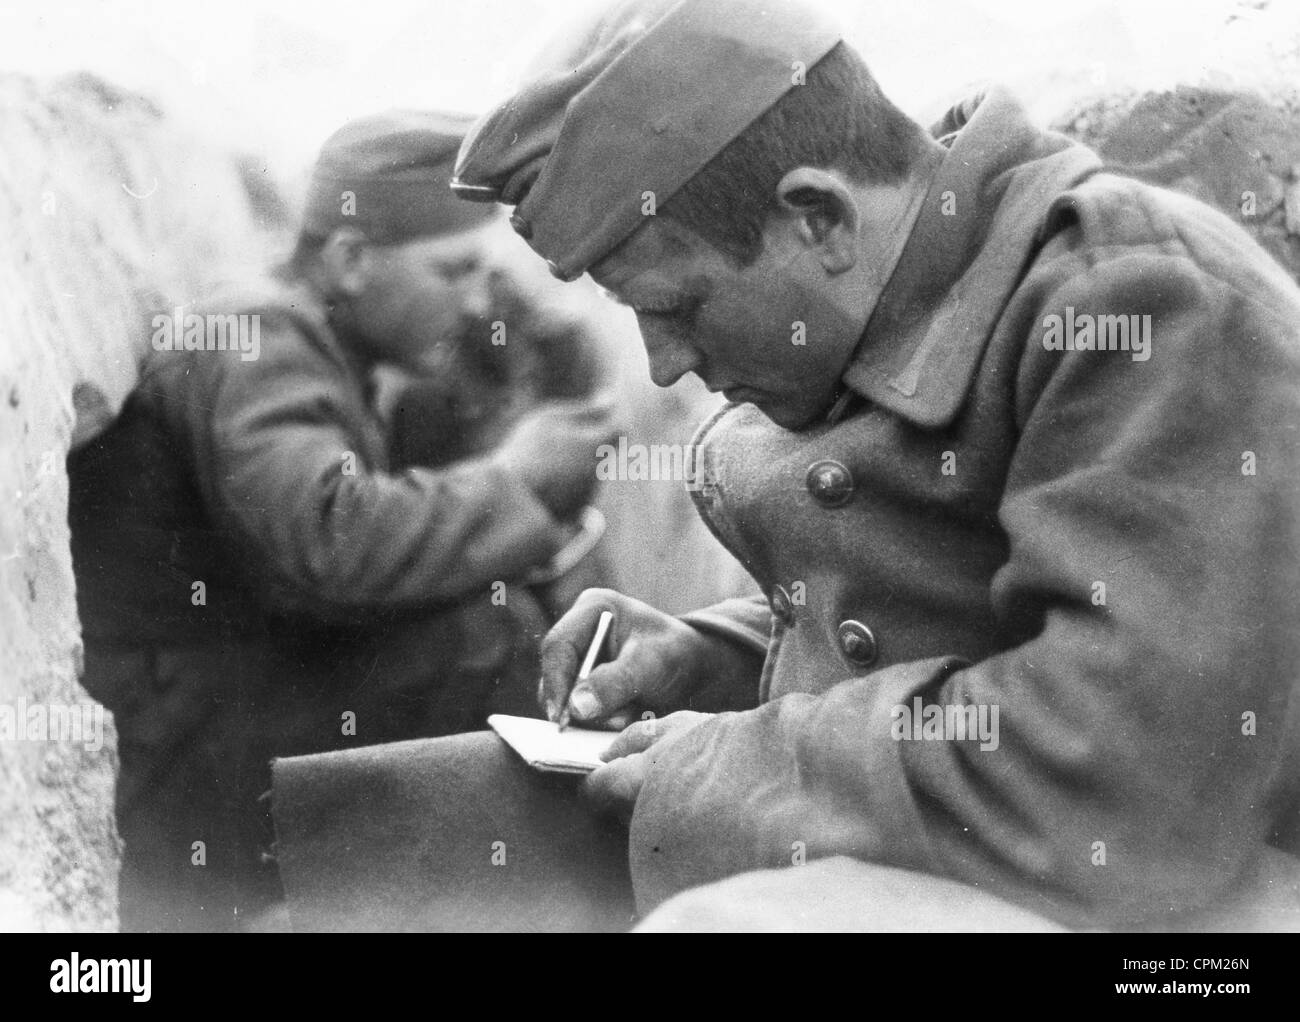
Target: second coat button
pixel 830 482
pixel 857 643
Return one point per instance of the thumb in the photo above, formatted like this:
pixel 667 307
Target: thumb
pixel 609 688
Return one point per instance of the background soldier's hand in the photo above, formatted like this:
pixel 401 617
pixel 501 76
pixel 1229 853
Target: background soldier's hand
pixel 653 661
pixel 553 449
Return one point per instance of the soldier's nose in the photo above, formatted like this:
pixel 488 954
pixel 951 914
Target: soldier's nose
pixel 670 357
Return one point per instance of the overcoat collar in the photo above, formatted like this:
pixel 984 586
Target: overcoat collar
pixel 981 223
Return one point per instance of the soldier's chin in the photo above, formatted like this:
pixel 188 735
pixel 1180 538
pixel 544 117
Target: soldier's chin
pixel 786 414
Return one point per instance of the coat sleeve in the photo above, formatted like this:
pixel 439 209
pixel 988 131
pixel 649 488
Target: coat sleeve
pixel 1139 738
pixel 330 534
pixel 745 620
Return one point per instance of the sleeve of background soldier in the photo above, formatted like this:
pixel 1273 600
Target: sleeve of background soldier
pixel 271 444
pixel 1119 724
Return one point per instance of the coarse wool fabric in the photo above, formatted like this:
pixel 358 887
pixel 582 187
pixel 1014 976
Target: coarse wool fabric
pixel 629 113
pixel 1147 758
pixel 451 834
pixel 388 176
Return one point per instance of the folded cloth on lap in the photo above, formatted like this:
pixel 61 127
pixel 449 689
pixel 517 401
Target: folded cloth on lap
pixel 450 834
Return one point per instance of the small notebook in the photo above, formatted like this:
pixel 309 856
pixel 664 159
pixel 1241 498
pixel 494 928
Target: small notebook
pixel 545 747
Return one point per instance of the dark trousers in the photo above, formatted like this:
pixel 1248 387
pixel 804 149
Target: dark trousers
pixel 193 770
pixel 196 843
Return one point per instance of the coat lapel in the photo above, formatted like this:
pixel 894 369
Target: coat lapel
pixel 981 224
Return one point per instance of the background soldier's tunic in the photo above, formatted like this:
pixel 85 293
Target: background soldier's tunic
pixel 468 409
pixel 326 592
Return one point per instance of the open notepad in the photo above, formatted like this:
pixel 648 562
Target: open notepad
pixel 545 747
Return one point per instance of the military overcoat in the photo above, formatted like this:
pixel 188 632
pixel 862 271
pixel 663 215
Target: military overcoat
pixel 1091 557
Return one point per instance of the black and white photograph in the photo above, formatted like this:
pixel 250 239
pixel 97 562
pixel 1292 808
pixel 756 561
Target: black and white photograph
pixel 651 466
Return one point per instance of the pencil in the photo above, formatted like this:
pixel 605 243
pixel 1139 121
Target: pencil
pixel 589 661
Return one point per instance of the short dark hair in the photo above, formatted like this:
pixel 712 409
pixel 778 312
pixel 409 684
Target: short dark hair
pixel 837 118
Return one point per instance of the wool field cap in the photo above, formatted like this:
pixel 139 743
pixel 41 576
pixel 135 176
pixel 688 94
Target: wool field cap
pixel 387 174
pixel 649 93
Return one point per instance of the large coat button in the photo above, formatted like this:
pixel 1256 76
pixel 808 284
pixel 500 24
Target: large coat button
pixel 857 643
pixel 781 605
pixel 829 482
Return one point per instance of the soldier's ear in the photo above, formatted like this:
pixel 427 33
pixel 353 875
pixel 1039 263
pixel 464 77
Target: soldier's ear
pixel 348 261
pixel 820 207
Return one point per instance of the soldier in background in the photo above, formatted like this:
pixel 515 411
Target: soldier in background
pixel 257 578
pixel 520 350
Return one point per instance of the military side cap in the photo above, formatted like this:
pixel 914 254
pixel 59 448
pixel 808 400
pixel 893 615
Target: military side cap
pixel 387 175
pixel 649 94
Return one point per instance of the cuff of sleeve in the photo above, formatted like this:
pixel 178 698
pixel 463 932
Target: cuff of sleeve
pixel 737 620
pixel 548 534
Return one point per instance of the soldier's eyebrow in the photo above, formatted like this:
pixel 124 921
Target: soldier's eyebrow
pixel 694 292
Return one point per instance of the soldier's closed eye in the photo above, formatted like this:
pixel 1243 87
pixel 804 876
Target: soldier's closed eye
pixel 453 269
pixel 680 311
pixel 680 307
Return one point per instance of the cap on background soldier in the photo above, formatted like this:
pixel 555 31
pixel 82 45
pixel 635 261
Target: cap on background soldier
pixel 487 349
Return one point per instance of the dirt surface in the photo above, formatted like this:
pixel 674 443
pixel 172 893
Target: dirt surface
pixel 112 214
pixel 1238 151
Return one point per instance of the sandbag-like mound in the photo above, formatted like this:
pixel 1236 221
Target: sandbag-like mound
pixel 1237 151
